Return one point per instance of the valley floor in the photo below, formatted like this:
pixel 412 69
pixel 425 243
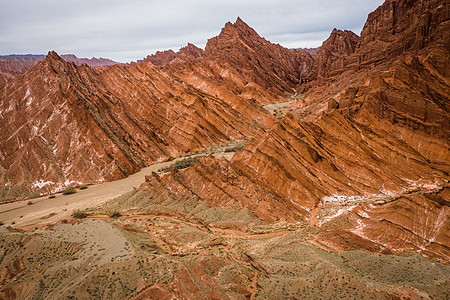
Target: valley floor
pixel 44 210
pixel 156 256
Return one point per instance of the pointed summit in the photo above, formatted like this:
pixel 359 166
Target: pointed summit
pixel 240 22
pixel 53 55
pixel 340 43
pixel 232 34
pixel 268 65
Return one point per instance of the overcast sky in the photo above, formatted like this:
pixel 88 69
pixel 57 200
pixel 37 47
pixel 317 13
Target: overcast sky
pixel 126 30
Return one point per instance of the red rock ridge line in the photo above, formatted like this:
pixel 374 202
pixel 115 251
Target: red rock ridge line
pixel 93 126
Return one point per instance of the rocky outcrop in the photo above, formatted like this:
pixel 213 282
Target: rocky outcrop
pixel 220 183
pixel 393 29
pixel 332 54
pixel 299 165
pixel 399 26
pixel 414 223
pixel 160 58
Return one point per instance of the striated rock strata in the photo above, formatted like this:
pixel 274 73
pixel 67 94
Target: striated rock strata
pixel 67 123
pixel 370 129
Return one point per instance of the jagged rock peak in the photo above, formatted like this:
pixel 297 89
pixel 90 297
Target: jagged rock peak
pixel 53 55
pixel 238 27
pixel 341 41
pixel 232 33
pixel 192 50
pixel 329 57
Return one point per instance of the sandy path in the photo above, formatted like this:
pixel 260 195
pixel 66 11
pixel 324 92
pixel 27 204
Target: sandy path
pixel 45 210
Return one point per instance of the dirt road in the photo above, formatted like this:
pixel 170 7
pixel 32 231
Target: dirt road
pixel 45 210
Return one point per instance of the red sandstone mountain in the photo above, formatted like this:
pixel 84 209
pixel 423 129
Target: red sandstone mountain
pixel 331 54
pixel 105 124
pixel 68 123
pixel 255 65
pixel 239 63
pixel 381 127
pixel 374 123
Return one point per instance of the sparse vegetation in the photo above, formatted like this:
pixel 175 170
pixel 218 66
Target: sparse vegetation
pixel 83 187
pixel 69 190
pixel 1 223
pixel 115 214
pixel 8 193
pixel 234 148
pixel 30 203
pixel 79 214
pixel 181 164
pixel 51 196
pixel 186 162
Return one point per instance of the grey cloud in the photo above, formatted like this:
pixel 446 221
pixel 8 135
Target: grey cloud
pixel 130 30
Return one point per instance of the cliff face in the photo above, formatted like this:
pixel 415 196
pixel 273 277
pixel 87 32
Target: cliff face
pixel 395 28
pixel 331 55
pixel 399 26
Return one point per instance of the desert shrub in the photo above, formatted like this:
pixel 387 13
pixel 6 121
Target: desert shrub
pixel 51 196
pixel 1 223
pixel 69 190
pixel 79 214
pixel 115 214
pixel 83 187
pixel 184 163
pixel 234 148
pixel 165 169
pixel 30 203
pixel 35 194
pixel 181 164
